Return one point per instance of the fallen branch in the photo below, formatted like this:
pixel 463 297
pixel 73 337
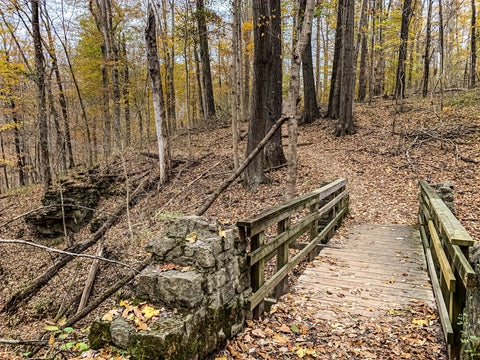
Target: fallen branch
pixel 49 249
pixel 242 167
pixel 37 283
pixel 24 342
pixel 90 279
pixel 112 289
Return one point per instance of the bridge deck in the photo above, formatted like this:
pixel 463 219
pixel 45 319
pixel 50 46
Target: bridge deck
pixel 371 269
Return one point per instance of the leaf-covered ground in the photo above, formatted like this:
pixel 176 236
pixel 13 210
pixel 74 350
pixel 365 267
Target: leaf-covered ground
pixel 392 150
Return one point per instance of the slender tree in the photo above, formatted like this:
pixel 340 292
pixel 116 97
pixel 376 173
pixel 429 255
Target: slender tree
pixel 310 107
pixel 157 95
pixel 426 56
pixel 402 50
pixel 44 154
pixel 209 101
pixel 473 47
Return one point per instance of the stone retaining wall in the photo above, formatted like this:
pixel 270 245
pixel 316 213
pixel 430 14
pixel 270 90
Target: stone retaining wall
pixel 205 293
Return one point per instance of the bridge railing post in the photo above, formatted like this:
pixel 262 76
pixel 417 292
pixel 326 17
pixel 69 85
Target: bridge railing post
pixel 258 272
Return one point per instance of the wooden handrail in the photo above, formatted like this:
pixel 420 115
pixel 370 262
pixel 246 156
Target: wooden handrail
pixel 276 213
pixel 329 202
pixel 446 243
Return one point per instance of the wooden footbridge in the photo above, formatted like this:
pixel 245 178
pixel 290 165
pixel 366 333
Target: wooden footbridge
pixel 370 268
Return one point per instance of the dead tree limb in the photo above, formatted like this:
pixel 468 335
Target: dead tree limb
pixel 49 249
pixel 24 342
pixel 242 167
pixel 90 279
pixel 112 289
pixel 36 284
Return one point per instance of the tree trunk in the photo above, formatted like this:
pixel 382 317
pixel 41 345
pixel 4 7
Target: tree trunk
pixel 157 96
pixel 61 96
pixel 44 154
pixel 473 48
pixel 236 78
pixel 362 77
pixel 126 93
pixel 262 67
pixel 426 58
pixel 345 123
pixel 335 82
pixel 60 143
pixel 442 50
pixel 362 42
pixel 402 50
pixel 310 106
pixel 205 59
pixel 290 108
pixel 274 155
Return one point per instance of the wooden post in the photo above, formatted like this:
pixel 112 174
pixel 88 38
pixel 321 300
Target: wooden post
pixel 258 272
pixel 313 232
pixel 282 258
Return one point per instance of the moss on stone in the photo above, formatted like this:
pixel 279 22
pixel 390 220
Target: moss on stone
pixel 99 335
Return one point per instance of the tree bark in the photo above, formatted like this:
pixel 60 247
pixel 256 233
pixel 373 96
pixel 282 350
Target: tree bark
pixel 473 47
pixel 426 57
pixel 335 82
pixel 402 50
pixel 157 96
pixel 274 155
pixel 205 59
pixel 236 78
pixel 44 154
pixel 310 106
pixel 290 108
pixel 345 125
pixel 126 93
pixel 61 96
pixel 361 42
pixel 262 67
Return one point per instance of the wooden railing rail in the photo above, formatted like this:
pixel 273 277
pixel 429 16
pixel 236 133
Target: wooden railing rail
pixel 446 243
pixel 329 203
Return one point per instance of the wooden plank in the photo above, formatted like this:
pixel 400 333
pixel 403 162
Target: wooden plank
pixel 281 211
pixel 456 233
pixel 442 258
pixel 259 295
pixel 442 308
pixel 423 235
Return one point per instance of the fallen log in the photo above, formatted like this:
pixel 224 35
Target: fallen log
pixel 112 289
pixel 23 342
pixel 27 292
pixel 90 280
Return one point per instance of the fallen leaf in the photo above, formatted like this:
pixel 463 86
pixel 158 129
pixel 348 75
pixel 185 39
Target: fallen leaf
pixel 191 238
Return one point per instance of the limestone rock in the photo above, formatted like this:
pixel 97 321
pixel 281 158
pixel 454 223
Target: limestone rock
pixel 120 331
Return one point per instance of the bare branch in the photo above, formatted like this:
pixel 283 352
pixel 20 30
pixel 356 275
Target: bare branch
pixel 49 249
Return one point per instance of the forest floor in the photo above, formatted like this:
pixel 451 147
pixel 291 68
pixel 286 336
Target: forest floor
pixel 393 148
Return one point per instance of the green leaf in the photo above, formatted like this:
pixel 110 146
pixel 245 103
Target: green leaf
pixel 51 328
pixel 63 336
pixel 83 346
pixel 69 344
pixel 295 329
pixel 68 329
pixel 27 354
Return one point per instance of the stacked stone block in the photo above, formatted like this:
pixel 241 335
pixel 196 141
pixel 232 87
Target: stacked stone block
pixel 205 294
